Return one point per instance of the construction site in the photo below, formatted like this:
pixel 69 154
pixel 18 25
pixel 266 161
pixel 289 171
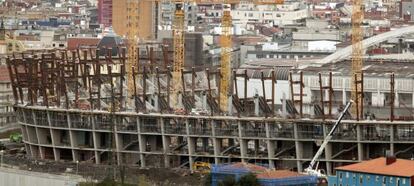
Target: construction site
pixel 139 104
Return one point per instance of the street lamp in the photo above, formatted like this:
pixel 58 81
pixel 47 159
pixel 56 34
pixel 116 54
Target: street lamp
pixel 77 166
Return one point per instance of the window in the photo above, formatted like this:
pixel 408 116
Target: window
pixel 340 175
pixel 391 179
pixel 360 179
pixel 397 182
pixel 368 178
pixel 384 179
pixel 403 181
pixel 347 175
pixel 376 178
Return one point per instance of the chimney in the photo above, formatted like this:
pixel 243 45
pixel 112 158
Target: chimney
pixel 389 158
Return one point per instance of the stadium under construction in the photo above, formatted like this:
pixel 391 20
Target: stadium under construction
pixel 74 106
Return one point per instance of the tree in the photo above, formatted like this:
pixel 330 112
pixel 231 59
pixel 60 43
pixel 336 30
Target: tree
pixel 248 180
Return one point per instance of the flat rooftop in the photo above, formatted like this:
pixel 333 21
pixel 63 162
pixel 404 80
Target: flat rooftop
pixel 371 68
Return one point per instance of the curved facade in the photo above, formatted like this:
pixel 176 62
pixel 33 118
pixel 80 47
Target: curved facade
pixel 167 140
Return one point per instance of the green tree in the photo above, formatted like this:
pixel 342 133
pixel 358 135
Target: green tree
pixel 248 180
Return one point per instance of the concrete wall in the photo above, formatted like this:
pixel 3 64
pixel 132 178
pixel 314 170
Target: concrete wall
pixel 27 178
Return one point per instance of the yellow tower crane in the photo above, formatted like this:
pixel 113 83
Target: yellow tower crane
pixel 132 45
pixel 357 54
pixel 226 47
pixel 178 44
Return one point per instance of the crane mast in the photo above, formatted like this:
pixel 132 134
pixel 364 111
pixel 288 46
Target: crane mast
pixel 178 42
pixel 132 46
pixel 225 64
pixel 357 54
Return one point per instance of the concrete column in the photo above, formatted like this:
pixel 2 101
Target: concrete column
pixel 142 143
pixel 242 143
pixel 230 105
pixel 28 134
pixel 270 147
pixel 343 91
pixel 216 143
pixel 392 139
pixel 397 98
pixel 52 136
pixel 204 101
pixel 284 111
pixel 379 101
pixel 180 100
pixel 298 148
pixel 165 143
pixel 118 145
pixel 256 105
pixel 412 99
pixel 41 151
pixel 191 145
pixel 156 102
pixel 360 145
pixel 72 139
pixel 328 151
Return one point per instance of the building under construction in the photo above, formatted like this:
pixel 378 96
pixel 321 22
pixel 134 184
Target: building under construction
pixel 74 106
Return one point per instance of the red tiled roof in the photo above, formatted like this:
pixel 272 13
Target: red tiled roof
pixel 74 43
pixel 400 167
pixel 275 174
pixel 248 166
pixel 4 74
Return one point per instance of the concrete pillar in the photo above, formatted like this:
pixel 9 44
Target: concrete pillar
pixel 360 145
pixel 392 139
pixel 180 100
pixel 270 147
pixel 72 139
pixel 230 105
pixel 343 91
pixel 118 145
pixel 397 98
pixel 52 137
pixel 412 99
pixel 328 152
pixel 156 102
pixel 242 143
pixel 216 142
pixel 256 146
pixel 298 148
pixel 166 141
pixel 256 105
pixel 284 112
pixel 204 101
pixel 378 101
pixel 191 146
pixel 142 143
